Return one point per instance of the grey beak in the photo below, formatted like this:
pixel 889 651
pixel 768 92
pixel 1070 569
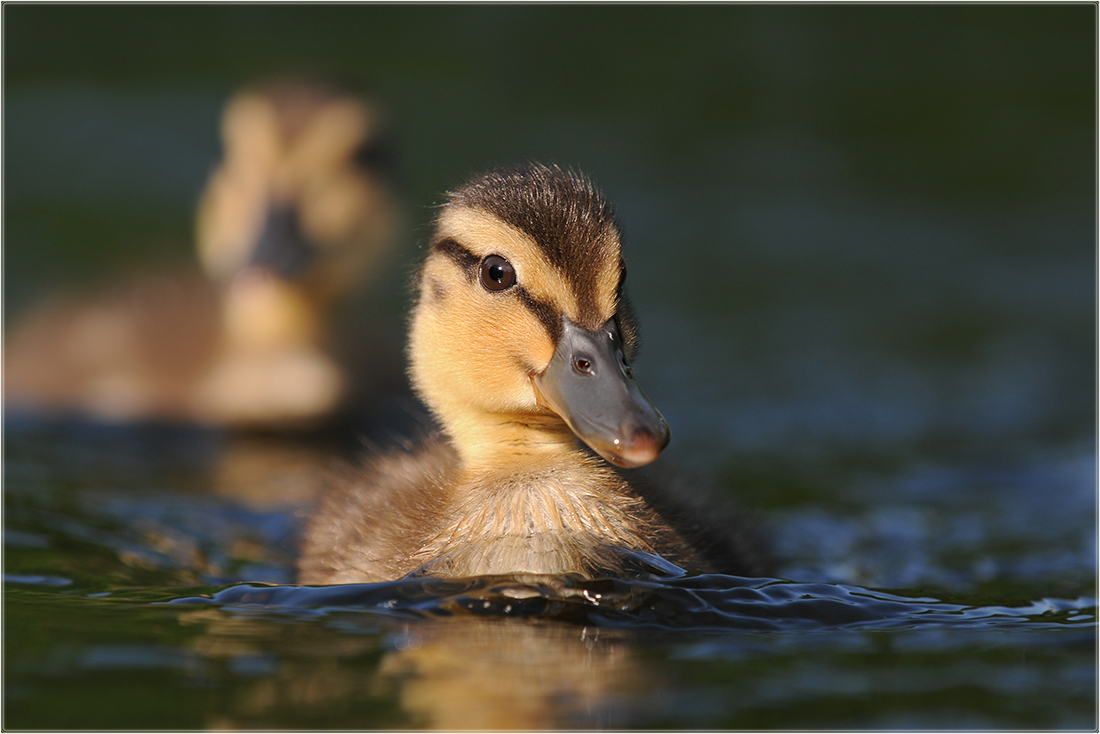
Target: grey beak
pixel 589 384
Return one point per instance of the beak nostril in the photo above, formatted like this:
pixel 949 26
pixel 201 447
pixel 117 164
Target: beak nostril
pixel 623 365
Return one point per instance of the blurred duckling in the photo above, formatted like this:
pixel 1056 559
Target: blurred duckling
pixel 296 215
pixel 521 342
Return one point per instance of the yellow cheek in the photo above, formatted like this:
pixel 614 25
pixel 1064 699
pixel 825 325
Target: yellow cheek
pixel 476 349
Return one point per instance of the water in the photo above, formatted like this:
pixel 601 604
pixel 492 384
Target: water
pixel 862 248
pixel 137 570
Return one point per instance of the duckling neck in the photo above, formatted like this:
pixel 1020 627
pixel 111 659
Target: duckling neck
pixel 528 499
pixel 506 440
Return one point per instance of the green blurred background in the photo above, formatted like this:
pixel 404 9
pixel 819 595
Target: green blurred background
pixel 846 223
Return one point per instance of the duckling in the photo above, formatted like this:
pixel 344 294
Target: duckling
pixel 298 212
pixel 521 342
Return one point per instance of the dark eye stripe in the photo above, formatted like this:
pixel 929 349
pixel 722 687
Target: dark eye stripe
pixel 543 311
pixel 462 257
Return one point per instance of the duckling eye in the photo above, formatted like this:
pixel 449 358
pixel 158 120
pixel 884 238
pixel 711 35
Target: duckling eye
pixel 497 274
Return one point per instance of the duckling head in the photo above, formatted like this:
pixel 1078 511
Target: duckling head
pixel 299 209
pixel 522 335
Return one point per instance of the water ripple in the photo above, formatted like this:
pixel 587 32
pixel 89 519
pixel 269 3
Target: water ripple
pixel 707 602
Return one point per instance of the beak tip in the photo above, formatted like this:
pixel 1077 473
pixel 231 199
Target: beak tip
pixel 642 448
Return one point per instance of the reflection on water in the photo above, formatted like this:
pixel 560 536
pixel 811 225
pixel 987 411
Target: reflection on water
pixel 468 674
pixel 100 535
pixel 359 660
pixel 495 654
pixel 457 673
pixel 125 549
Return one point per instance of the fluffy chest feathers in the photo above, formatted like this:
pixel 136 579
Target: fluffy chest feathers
pixel 552 518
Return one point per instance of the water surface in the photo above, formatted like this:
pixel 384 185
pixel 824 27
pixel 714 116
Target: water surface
pixel 150 579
